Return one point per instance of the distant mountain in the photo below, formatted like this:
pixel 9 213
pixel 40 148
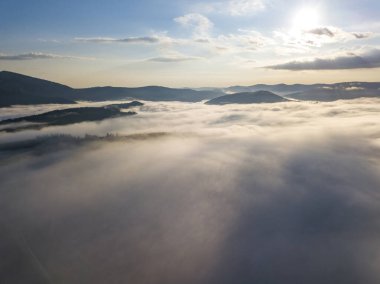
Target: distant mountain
pixel 318 92
pixel 341 91
pixel 149 93
pixel 20 89
pixel 278 89
pixel 24 90
pixel 247 98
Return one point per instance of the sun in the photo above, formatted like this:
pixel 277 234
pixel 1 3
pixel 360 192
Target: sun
pixel 306 18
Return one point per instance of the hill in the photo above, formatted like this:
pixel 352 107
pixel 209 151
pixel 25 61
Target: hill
pixel 17 89
pixel 247 98
pixel 24 90
pixel 317 92
pixel 64 117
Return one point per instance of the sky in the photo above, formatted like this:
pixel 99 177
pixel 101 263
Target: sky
pixel 191 43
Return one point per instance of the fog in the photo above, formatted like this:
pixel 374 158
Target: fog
pixel 271 193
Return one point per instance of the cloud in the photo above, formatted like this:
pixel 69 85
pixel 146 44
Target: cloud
pixel 130 40
pixel 199 23
pixel 368 59
pixel 245 40
pixel 298 40
pixel 362 35
pixel 37 55
pixel 173 59
pixel 339 34
pixel 284 193
pixel 199 44
pixel 244 7
pixel 322 31
pixel 354 88
pixel 232 8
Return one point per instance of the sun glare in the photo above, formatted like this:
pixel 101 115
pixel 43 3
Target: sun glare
pixel 306 18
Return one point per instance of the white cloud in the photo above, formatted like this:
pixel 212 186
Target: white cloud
pixel 297 40
pixel 246 40
pixel 200 24
pixel 244 7
pixel 232 7
pixel 279 193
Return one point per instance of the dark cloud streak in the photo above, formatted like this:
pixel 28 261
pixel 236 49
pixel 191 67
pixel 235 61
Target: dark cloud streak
pixel 131 40
pixel 36 56
pixel 322 31
pixel 369 59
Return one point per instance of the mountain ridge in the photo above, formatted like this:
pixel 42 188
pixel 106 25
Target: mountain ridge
pixel 19 89
pixel 247 98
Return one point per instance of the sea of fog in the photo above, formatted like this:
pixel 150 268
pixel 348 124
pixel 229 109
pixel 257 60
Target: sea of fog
pixel 267 193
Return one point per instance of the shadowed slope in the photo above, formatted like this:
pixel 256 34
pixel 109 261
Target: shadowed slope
pixel 247 98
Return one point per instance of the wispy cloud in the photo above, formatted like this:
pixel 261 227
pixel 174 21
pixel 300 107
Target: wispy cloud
pixel 173 59
pixel 298 40
pixel 244 40
pixel 338 34
pixel 133 40
pixel 232 7
pixel 243 7
pixel 38 55
pixel 200 24
pixel 367 59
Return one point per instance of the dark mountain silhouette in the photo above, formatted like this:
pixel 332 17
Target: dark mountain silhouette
pixel 126 105
pixel 149 93
pixel 24 90
pixel 247 98
pixel 63 117
pixel 17 89
pixel 20 89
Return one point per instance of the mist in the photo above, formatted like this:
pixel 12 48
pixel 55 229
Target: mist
pixel 269 193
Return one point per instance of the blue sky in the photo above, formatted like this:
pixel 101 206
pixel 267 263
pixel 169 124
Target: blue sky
pixel 191 43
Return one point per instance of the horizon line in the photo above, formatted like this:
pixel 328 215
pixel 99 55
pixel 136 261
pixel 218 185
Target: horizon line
pixel 184 87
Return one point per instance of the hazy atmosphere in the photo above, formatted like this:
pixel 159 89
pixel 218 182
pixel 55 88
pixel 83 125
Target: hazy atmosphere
pixel 235 142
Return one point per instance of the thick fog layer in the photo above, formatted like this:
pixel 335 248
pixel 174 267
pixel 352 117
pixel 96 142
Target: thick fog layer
pixel 272 193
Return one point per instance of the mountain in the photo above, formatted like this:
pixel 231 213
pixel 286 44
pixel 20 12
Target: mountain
pixel 20 89
pixel 318 92
pixel 127 105
pixel 149 93
pixel 278 88
pixel 17 89
pixel 247 98
pixel 63 117
pixel 341 91
pixel 24 90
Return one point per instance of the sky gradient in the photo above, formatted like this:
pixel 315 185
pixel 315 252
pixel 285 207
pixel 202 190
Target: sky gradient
pixel 191 43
